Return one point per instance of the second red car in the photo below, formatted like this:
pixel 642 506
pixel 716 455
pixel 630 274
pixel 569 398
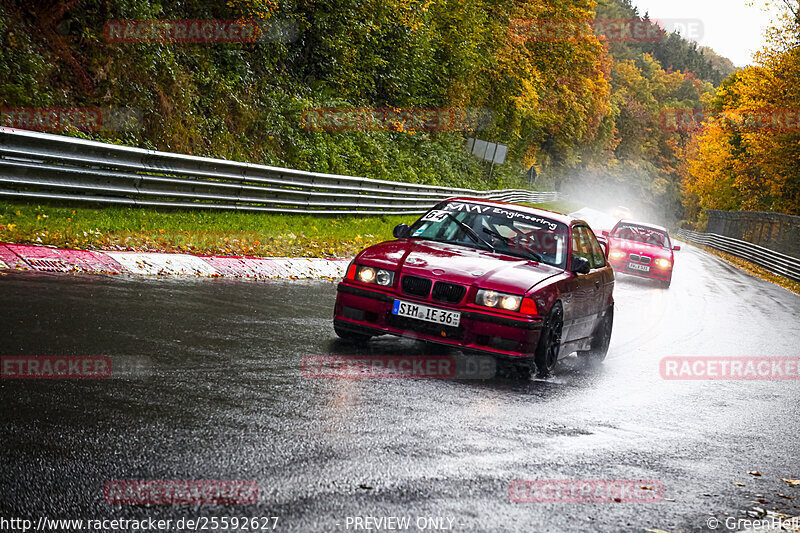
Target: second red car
pixel 641 249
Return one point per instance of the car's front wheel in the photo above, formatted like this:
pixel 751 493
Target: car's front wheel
pixel 549 345
pixel 602 337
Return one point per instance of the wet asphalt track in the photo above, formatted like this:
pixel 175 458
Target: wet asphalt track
pixel 222 398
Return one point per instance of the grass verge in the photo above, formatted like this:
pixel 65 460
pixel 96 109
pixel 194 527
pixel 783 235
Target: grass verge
pixel 198 232
pixel 195 232
pixel 754 269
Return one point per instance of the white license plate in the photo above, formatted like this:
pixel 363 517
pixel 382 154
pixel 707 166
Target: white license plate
pixel 635 266
pixel 428 314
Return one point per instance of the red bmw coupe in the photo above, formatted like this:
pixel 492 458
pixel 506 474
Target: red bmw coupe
pixel 525 285
pixel 642 250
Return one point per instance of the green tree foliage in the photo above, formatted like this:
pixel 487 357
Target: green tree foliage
pixel 569 107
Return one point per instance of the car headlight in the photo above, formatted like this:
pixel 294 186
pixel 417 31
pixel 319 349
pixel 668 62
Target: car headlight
pixel 498 300
pixel 617 254
pixel 663 263
pixel 379 276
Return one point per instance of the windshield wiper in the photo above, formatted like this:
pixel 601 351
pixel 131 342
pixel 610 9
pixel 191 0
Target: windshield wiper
pixel 534 255
pixel 493 233
pixel 470 232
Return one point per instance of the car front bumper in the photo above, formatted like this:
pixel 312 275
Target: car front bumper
pixel 361 310
pixel 621 266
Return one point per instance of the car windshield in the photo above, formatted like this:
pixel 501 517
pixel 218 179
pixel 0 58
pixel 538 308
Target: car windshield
pixel 502 229
pixel 633 232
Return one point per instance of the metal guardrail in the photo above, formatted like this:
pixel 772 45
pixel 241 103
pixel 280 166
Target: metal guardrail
pixel 776 231
pixel 771 260
pixel 42 166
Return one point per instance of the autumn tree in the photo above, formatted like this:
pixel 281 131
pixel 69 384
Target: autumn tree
pixel 748 154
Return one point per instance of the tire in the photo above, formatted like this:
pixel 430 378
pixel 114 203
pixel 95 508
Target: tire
pixel 601 338
pixel 549 345
pixel 666 284
pixel 350 336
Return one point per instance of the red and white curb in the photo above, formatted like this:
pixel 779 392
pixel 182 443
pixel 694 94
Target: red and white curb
pixel 44 259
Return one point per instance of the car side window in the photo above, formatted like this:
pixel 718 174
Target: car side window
pixel 598 257
pixel 584 244
pixel 580 245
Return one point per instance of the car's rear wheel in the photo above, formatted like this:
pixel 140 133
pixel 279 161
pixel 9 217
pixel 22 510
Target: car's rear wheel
pixel 549 345
pixel 601 338
pixel 350 336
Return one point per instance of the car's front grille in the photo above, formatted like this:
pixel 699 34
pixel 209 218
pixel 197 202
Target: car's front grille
pixel 448 292
pixel 416 286
pixel 645 260
pixel 635 258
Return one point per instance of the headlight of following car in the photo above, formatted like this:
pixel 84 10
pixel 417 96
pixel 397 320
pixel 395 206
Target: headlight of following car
pixel 498 300
pixel 618 254
pixel 379 276
pixel 663 263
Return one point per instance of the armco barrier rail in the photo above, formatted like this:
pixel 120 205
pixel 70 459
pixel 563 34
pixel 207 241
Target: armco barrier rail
pixel 776 231
pixel 775 262
pixel 42 166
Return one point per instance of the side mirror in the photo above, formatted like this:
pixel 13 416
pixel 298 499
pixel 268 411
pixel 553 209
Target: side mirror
pixel 400 231
pixel 676 248
pixel 605 233
pixel 580 265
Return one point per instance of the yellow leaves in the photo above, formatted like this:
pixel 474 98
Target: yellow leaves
pixel 748 160
pixel 10 227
